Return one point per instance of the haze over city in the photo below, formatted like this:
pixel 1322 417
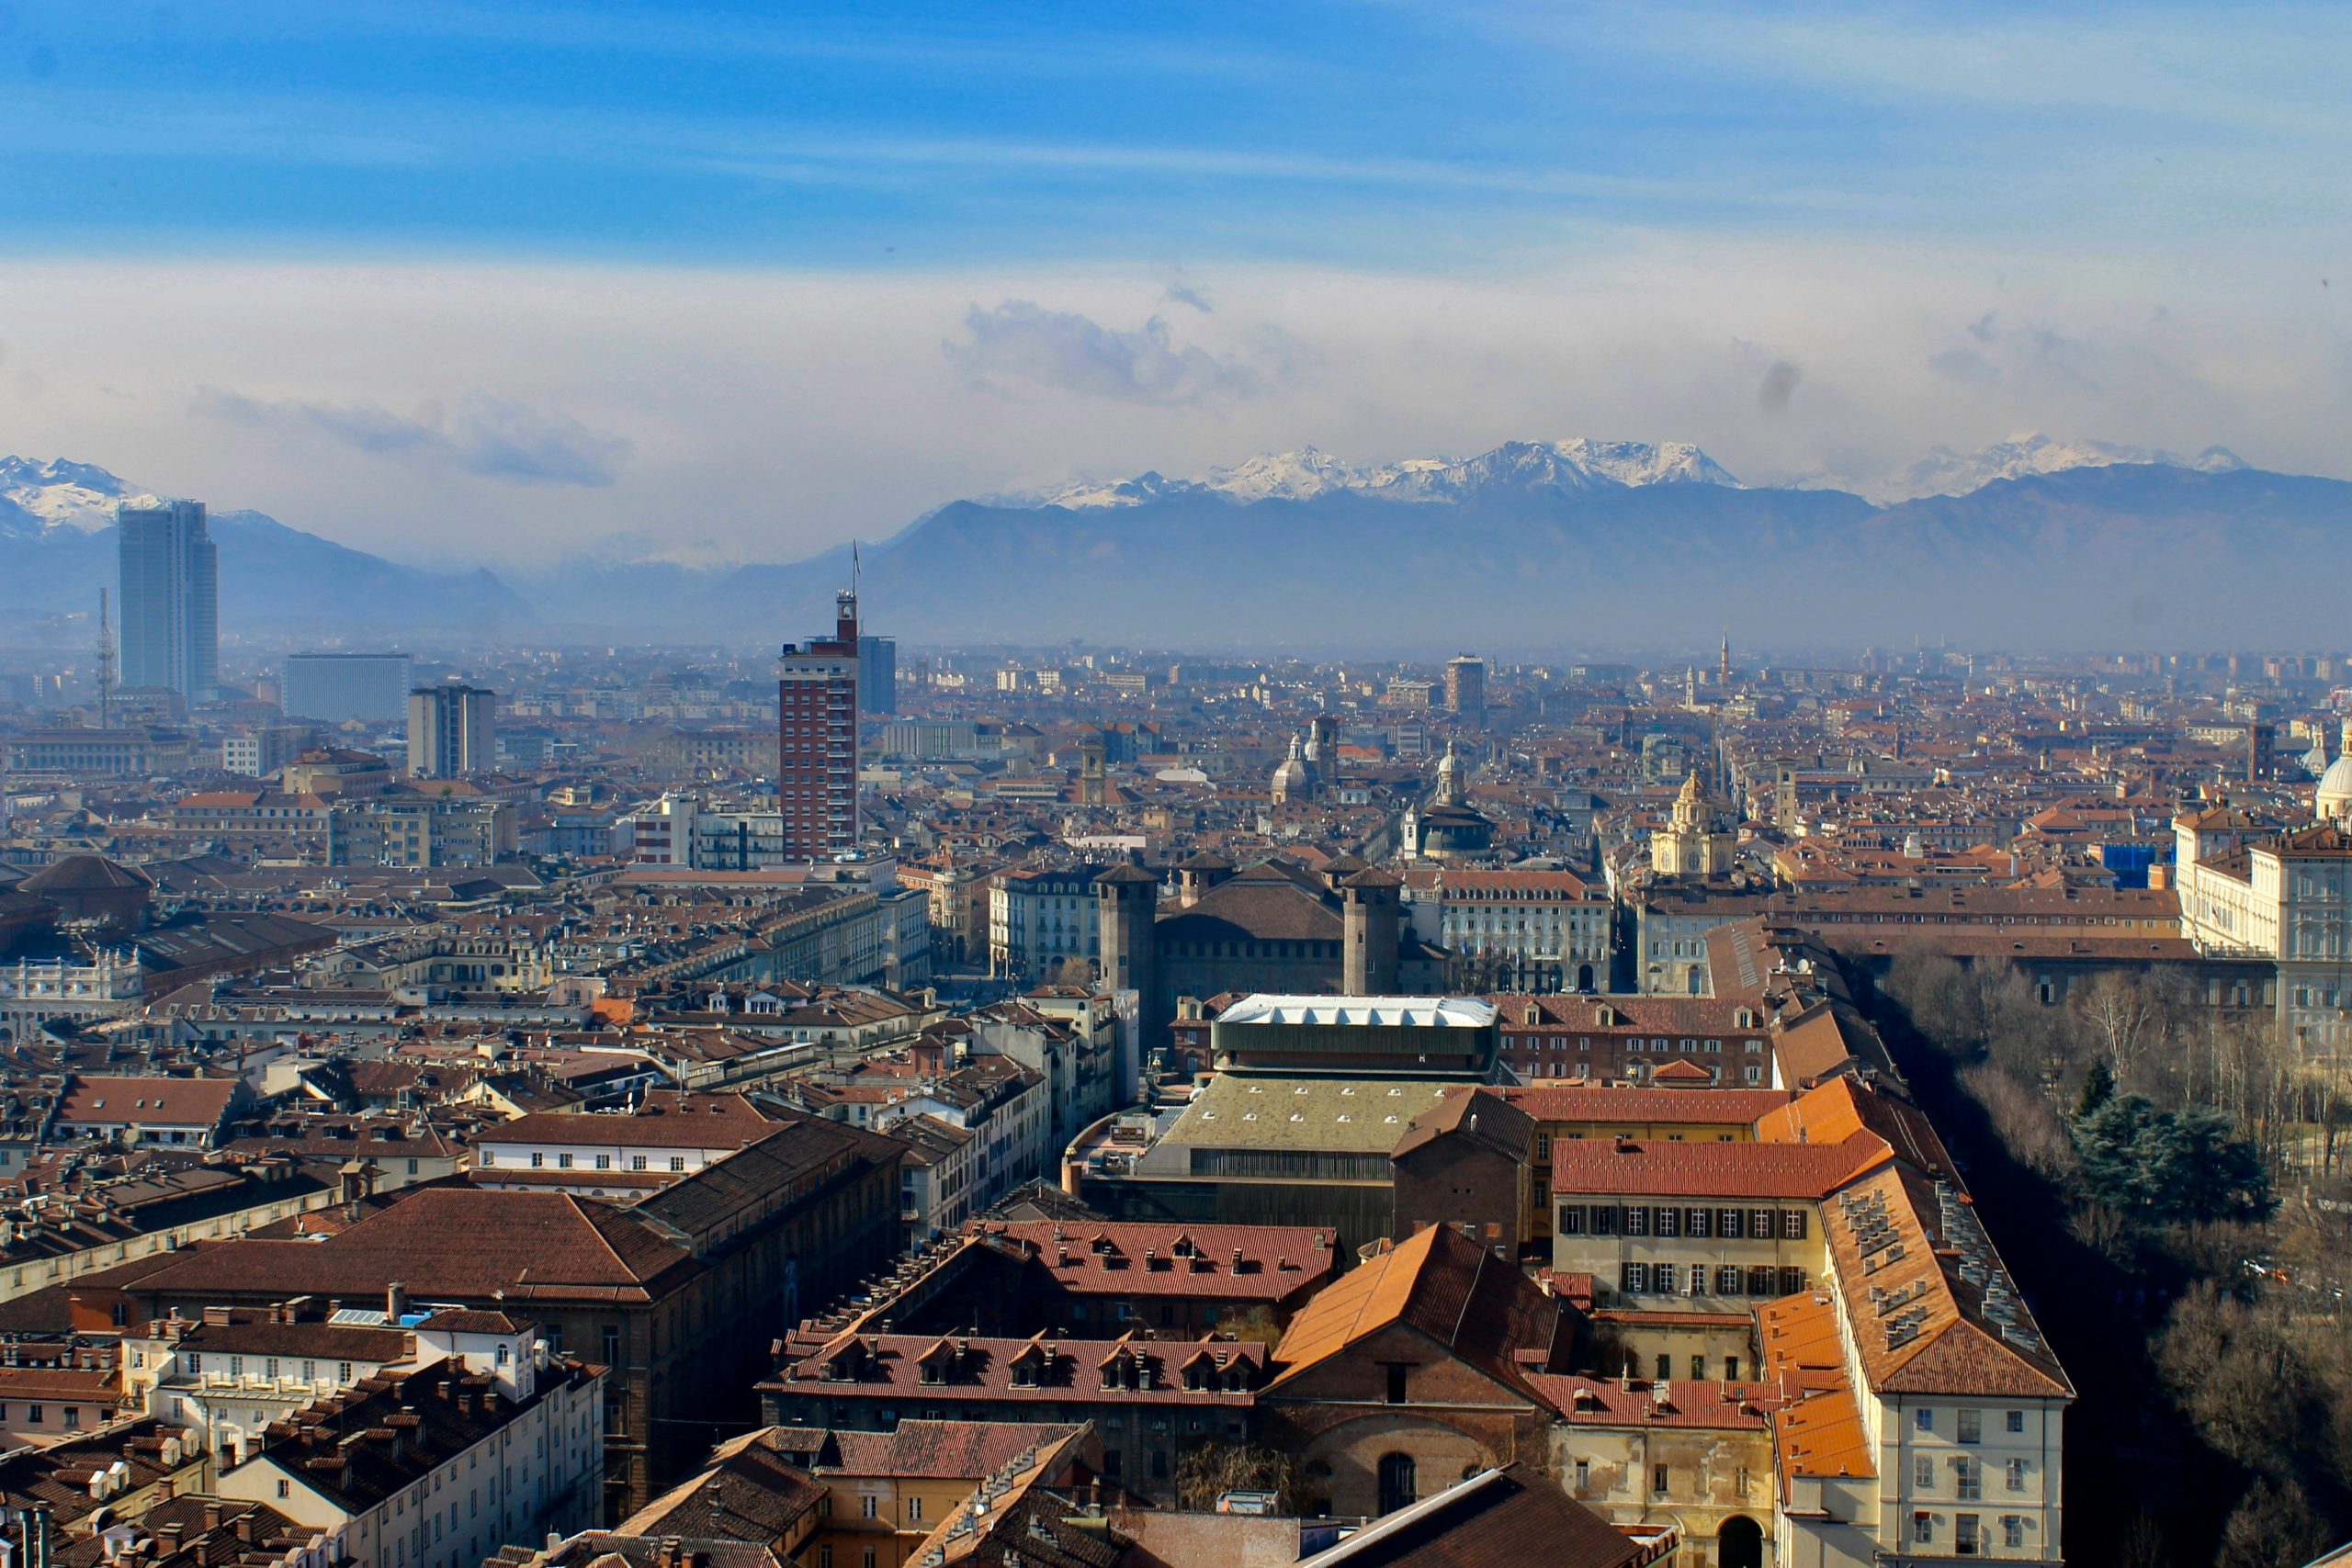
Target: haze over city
pixel 1340 785
pixel 466 283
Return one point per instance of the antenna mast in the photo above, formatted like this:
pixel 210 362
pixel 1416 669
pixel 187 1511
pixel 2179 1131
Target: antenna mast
pixel 106 665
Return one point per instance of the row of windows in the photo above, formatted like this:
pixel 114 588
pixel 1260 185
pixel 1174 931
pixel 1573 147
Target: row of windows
pixel 1630 1043
pixel 1751 1073
pixel 1669 1220
pixel 1967 1475
pixel 563 1161
pixel 1967 1424
pixel 1730 1279
pixel 269 1366
pixel 36 1414
pixel 1967 1532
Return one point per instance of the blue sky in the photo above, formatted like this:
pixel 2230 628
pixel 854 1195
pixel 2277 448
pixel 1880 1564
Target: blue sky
pixel 280 248
pixel 1350 134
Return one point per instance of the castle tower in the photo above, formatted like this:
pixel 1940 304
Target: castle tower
pixel 1370 906
pixel 1128 902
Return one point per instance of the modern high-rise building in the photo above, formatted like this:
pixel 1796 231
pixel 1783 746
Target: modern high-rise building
pixel 339 688
pixel 878 675
pixel 816 783
pixel 171 599
pixel 452 730
pixel 1465 686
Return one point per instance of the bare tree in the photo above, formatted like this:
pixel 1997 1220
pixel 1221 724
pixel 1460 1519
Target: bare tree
pixel 2124 1020
pixel 2021 1114
pixel 1207 1471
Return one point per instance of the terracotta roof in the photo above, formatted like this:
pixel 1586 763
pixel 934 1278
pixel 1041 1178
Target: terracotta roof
pixel 1657 1167
pixel 1920 1324
pixel 459 1242
pixel 1819 1429
pixel 1844 1106
pixel 1451 1289
pixel 747 1491
pixel 933 1450
pixel 1591 1401
pixel 1267 902
pixel 977 1367
pixel 1498 1519
pixel 384 1434
pixel 666 1119
pixel 1475 1115
pixel 84 874
pixel 192 1102
pixel 1174 1259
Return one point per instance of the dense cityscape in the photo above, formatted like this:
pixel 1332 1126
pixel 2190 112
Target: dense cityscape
pixel 890 1105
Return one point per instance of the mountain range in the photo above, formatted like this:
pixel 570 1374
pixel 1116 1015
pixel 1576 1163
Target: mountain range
pixel 58 549
pixel 1537 547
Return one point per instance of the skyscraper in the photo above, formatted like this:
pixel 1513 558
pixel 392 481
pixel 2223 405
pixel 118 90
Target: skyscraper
pixel 816 782
pixel 1465 686
pixel 878 675
pixel 452 730
pixel 171 599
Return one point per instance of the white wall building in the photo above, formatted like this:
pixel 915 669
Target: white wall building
pixel 437 1468
pixel 1038 919
pixel 2286 897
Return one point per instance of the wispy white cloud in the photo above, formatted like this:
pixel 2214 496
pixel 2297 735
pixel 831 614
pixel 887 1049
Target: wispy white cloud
pixel 1020 345
pixel 776 413
pixel 493 438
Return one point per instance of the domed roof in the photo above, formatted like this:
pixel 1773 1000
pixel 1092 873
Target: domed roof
pixel 84 874
pixel 2337 780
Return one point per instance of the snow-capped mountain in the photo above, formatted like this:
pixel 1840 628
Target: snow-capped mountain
pixel 35 496
pixel 1946 472
pixel 58 549
pixel 1577 464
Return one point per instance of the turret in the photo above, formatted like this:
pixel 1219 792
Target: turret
pixel 1198 874
pixel 1370 908
pixel 1127 900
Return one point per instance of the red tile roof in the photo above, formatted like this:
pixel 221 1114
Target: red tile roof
pixel 1110 1259
pixel 1658 1168
pixel 181 1102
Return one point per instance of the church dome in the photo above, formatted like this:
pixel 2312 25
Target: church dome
pixel 1292 779
pixel 2334 797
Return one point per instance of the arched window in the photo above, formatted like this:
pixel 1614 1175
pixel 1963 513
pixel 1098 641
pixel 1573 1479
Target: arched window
pixel 1398 1488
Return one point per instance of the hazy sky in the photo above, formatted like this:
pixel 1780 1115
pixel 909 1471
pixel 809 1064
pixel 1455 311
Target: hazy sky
pixel 459 281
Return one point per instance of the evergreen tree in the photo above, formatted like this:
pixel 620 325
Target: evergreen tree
pixel 2199 1173
pixel 2109 1146
pixel 2098 1088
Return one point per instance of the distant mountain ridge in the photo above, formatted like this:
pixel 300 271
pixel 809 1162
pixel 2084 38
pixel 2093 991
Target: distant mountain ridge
pixel 1309 472
pixel 1583 464
pixel 58 549
pixel 1533 546
pixel 1946 472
